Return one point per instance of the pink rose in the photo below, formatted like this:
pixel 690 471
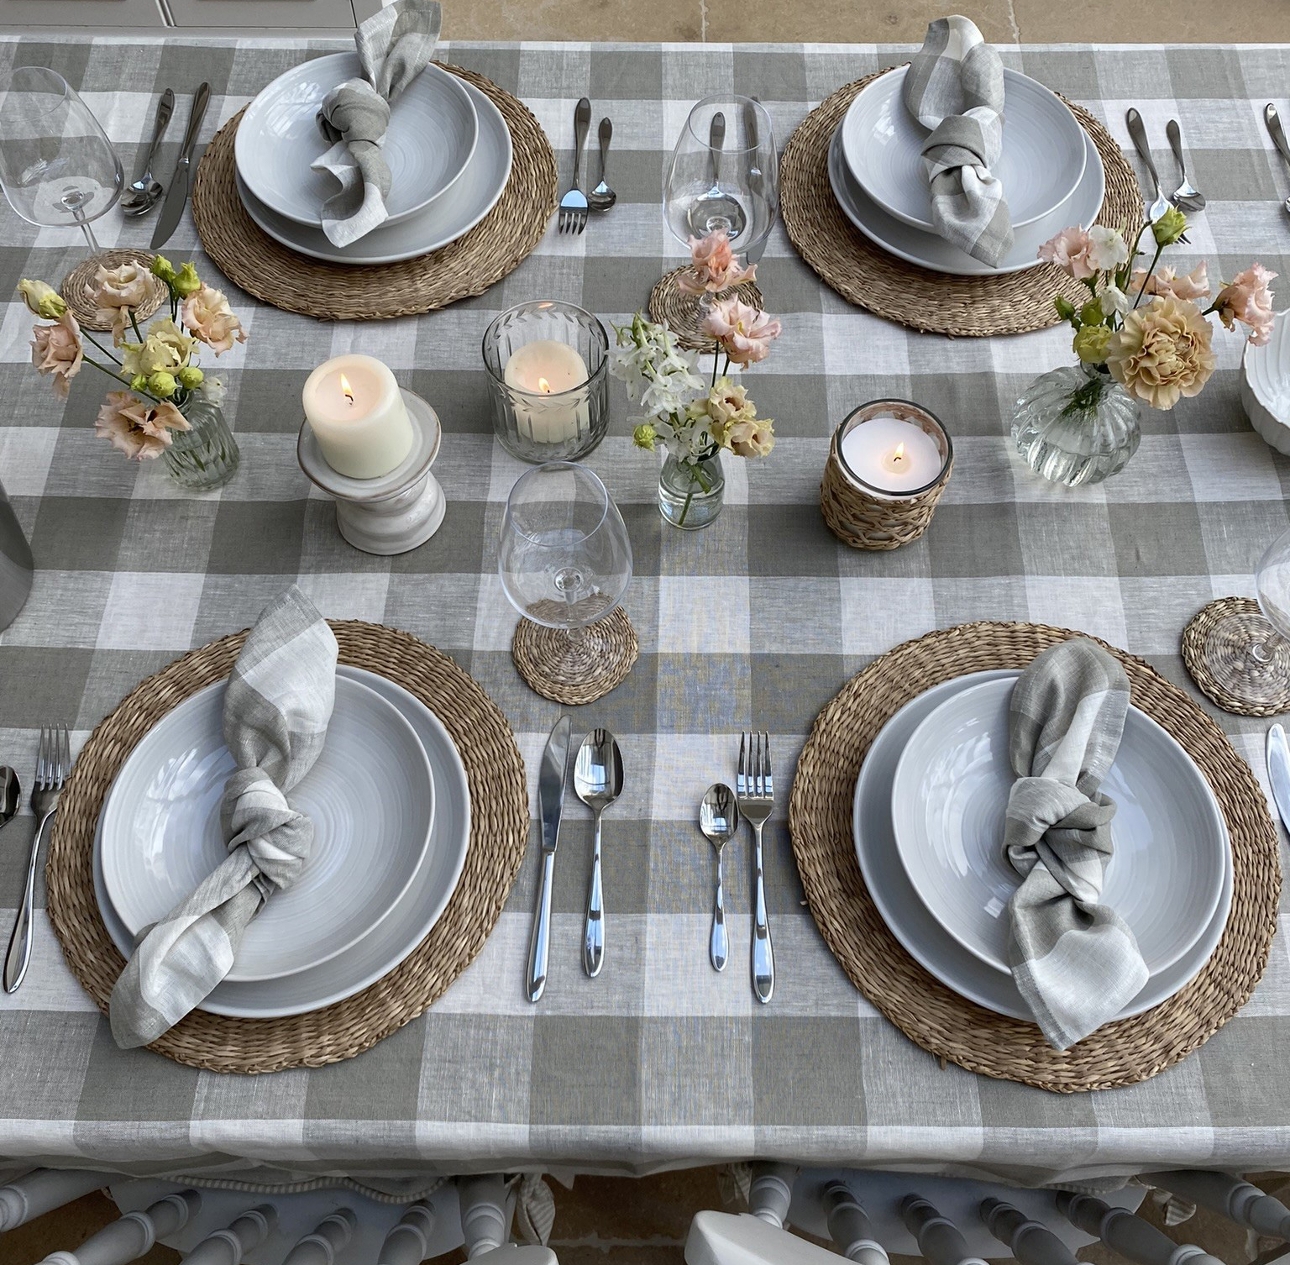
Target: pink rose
pixel 1249 301
pixel 1069 250
pixel 745 333
pixel 712 266
pixel 57 349
pixel 139 428
pixel 1166 282
pixel 208 316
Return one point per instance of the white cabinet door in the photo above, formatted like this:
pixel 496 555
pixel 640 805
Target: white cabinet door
pixel 82 12
pixel 249 14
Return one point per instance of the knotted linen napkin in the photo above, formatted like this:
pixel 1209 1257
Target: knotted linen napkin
pixel 277 706
pixel 1075 961
pixel 394 47
pixel 954 87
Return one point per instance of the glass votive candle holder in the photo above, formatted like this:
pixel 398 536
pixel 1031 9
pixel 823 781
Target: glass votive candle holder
pixel 548 376
pixel 888 464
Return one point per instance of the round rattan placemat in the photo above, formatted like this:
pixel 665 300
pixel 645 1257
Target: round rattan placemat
pixel 494 247
pixel 680 309
pixel 89 315
pixel 499 822
pixel 848 262
pixel 1196 637
pixel 931 1014
pixel 539 653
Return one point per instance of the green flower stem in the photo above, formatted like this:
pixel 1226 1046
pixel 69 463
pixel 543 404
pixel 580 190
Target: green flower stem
pixel 1155 259
pixel 116 377
pixel 111 355
pixel 135 325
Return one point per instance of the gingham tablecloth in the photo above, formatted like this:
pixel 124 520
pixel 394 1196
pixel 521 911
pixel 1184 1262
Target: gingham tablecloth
pixel 756 621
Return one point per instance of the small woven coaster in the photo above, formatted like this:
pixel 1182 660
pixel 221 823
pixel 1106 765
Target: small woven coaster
pixel 88 314
pixel 497 245
pixel 499 820
pixel 927 1011
pixel 607 653
pixel 1202 639
pixel 935 302
pixel 680 309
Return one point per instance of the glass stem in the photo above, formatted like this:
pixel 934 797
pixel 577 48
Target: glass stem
pixel 84 224
pixel 1265 651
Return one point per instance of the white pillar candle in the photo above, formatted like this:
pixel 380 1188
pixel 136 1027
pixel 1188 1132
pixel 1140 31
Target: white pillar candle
pixel 547 367
pixel 357 413
pixel 891 455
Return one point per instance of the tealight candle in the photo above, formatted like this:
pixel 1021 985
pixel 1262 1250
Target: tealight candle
pixel 891 455
pixel 547 367
pixel 356 411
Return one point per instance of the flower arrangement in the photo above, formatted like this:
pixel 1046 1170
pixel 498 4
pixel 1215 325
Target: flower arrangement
pixel 713 267
pixel 160 366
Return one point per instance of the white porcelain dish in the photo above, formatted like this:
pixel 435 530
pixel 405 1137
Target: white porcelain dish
pixel 407 924
pixel 928 250
pixel 370 796
pixel 448 218
pixel 1265 386
pixel 432 135
pixel 913 924
pixel 1041 163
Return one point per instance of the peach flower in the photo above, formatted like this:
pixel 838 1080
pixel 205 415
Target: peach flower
pixel 712 266
pixel 1163 352
pixel 1165 281
pixel 118 290
pixel 1249 301
pixel 753 438
pixel 744 332
pixel 1070 251
pixel 58 349
pixel 208 316
pixel 139 428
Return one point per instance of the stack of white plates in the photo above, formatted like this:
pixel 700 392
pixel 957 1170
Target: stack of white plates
pixel 928 823
pixel 448 148
pixel 391 811
pixel 1051 172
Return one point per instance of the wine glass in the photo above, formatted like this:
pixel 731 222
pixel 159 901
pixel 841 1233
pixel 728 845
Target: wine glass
pixel 1248 654
pixel 57 166
pixel 723 174
pixel 565 561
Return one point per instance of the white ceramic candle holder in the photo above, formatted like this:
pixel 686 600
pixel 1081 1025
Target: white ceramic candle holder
pixel 393 513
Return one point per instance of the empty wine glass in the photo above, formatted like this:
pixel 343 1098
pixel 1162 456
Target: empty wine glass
pixel 722 174
pixel 565 560
pixel 57 166
pixel 1248 654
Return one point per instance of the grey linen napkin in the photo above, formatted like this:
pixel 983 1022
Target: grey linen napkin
pixel 954 87
pixel 394 47
pixel 277 705
pixel 1074 960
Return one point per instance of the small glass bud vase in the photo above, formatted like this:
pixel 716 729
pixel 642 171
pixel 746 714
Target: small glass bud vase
pixel 205 456
pixel 690 496
pixel 1076 425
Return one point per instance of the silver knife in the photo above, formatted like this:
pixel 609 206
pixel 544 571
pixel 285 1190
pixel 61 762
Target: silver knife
pixel 177 195
pixel 1275 130
pixel 551 778
pixel 756 179
pixel 716 143
pixel 1279 771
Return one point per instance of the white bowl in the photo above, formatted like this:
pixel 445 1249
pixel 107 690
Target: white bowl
pixel 1265 386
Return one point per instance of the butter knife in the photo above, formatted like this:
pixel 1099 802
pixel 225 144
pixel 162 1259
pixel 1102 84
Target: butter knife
pixel 756 180
pixel 1279 771
pixel 177 195
pixel 551 779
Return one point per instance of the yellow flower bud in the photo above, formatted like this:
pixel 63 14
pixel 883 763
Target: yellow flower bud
pixel 162 385
pixel 42 299
pixel 1091 342
pixel 644 436
pixel 190 377
pixel 1091 313
pixel 186 281
pixel 139 382
pixel 1169 227
pixel 163 268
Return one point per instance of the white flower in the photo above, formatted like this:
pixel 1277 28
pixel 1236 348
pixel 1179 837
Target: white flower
pixel 212 388
pixel 1107 249
pixel 1113 301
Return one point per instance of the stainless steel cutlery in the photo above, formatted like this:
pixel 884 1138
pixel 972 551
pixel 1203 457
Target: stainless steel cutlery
pixel 1186 197
pixel 1279 771
pixel 719 822
pixel 602 197
pixel 597 781
pixel 757 178
pixel 172 209
pixel 551 778
pixel 755 795
pixel 1272 120
pixel 573 206
pixel 1138 134
pixel 142 195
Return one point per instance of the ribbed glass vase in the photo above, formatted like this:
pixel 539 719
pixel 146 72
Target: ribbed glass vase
pixel 206 455
pixel 690 496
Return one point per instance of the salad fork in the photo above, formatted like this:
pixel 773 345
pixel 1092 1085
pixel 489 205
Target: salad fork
pixel 573 206
pixel 53 765
pixel 755 796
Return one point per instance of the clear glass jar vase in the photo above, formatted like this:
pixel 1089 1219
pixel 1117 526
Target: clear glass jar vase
pixel 690 495
pixel 206 455
pixel 1076 425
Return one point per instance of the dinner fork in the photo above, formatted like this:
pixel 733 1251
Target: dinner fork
pixel 755 795
pixel 53 765
pixel 573 206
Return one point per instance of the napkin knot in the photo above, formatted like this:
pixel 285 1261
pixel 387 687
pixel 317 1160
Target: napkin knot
pixel 276 837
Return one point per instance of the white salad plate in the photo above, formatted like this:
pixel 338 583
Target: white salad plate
pixel 431 137
pixel 1265 386
pixel 406 925
pixel 370 796
pixel 931 251
pixel 448 218
pixel 914 925
pixel 1040 166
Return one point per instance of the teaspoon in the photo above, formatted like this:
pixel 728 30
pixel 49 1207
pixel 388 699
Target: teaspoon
pixel 602 197
pixel 719 822
pixel 597 781
pixel 142 195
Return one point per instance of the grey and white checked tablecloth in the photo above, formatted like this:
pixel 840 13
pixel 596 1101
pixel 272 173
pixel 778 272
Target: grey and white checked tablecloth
pixel 756 621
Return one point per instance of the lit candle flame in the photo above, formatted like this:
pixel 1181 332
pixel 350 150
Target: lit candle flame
pixel 899 455
pixel 346 389
pixel 544 386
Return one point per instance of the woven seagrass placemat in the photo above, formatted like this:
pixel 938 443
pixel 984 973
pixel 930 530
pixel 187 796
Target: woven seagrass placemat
pixel 927 1011
pixel 1230 645
pixel 497 245
pixel 499 821
pixel 935 302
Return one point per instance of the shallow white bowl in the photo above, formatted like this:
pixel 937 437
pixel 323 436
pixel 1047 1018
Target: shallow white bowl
pixel 1265 386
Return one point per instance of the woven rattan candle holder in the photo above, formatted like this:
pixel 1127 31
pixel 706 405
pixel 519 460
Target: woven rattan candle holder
pixel 865 516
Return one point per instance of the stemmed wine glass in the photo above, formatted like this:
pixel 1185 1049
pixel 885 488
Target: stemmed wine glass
pixel 565 561
pixel 1248 654
pixel 57 166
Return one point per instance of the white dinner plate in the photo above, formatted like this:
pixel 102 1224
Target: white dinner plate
pixel 910 921
pixel 450 217
pixel 370 796
pixel 929 250
pixel 1040 165
pixel 1265 385
pixel 407 924
pixel 432 134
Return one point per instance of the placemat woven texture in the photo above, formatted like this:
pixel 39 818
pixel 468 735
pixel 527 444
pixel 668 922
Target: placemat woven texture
pixel 1194 639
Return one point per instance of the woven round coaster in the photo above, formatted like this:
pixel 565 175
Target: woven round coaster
pixel 680 309
pixel 81 279
pixel 935 302
pixel 1203 638
pixel 607 653
pixel 494 247
pixel 499 820
pixel 931 1014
